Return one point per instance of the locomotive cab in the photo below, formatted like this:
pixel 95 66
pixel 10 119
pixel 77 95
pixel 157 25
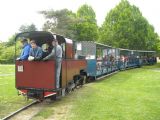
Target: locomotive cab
pixel 37 79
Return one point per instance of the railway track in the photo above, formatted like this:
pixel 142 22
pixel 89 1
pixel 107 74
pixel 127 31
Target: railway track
pixel 19 110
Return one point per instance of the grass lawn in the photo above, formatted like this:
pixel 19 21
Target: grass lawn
pixel 7 69
pixel 128 95
pixel 9 100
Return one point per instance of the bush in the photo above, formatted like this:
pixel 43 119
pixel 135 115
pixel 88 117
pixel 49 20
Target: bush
pixel 7 55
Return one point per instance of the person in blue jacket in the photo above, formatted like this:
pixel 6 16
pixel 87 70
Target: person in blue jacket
pixel 25 51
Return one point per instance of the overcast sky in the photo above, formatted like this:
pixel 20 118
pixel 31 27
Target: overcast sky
pixel 14 13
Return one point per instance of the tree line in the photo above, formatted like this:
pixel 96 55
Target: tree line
pixel 124 26
pixel 7 49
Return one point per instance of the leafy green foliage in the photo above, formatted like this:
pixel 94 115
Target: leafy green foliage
pixel 7 49
pixel 11 41
pixel 87 28
pixel 158 47
pixel 60 21
pixel 80 26
pixel 7 55
pixel 27 28
pixel 125 27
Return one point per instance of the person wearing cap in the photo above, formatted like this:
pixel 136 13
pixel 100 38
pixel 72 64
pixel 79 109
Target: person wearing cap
pixel 35 52
pixel 25 51
pixel 57 54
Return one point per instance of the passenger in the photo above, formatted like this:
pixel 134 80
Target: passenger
pixel 45 48
pixel 57 53
pixel 35 52
pixel 99 58
pixel 112 59
pixel 25 51
pixel 75 54
pixel 105 60
pixel 122 58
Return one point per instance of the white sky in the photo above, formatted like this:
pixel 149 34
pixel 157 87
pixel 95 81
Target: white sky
pixel 14 13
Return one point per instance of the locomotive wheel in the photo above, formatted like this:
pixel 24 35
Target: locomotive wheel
pixel 79 80
pixel 53 97
pixel 76 80
pixel 88 80
pixel 68 90
pixel 57 96
pixel 84 79
pixel 63 92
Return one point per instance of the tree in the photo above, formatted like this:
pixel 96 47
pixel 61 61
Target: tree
pixel 11 40
pixel 8 55
pixel 27 28
pixel 60 21
pixel 158 47
pixel 125 27
pixel 86 28
pixel 1 48
pixel 80 26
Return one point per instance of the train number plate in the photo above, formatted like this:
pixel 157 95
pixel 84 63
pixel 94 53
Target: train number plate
pixel 20 68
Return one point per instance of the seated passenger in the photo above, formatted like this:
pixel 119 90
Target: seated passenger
pixel 25 51
pixel 35 52
pixel 45 48
pixel 105 60
pixel 122 58
pixel 99 58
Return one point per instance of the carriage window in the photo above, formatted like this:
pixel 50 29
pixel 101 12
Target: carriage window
pixel 99 54
pixel 79 46
pixel 85 50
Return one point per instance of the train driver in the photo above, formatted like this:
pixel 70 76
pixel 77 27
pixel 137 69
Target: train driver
pixel 35 52
pixel 57 53
pixel 25 51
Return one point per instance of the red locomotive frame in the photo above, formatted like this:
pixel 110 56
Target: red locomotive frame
pixel 36 79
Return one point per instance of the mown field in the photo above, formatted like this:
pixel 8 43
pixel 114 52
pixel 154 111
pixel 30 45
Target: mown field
pixel 9 100
pixel 128 95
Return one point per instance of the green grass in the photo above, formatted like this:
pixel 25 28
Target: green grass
pixel 9 100
pixel 7 69
pixel 128 95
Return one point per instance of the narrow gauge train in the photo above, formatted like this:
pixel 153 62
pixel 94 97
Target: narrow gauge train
pixel 82 62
